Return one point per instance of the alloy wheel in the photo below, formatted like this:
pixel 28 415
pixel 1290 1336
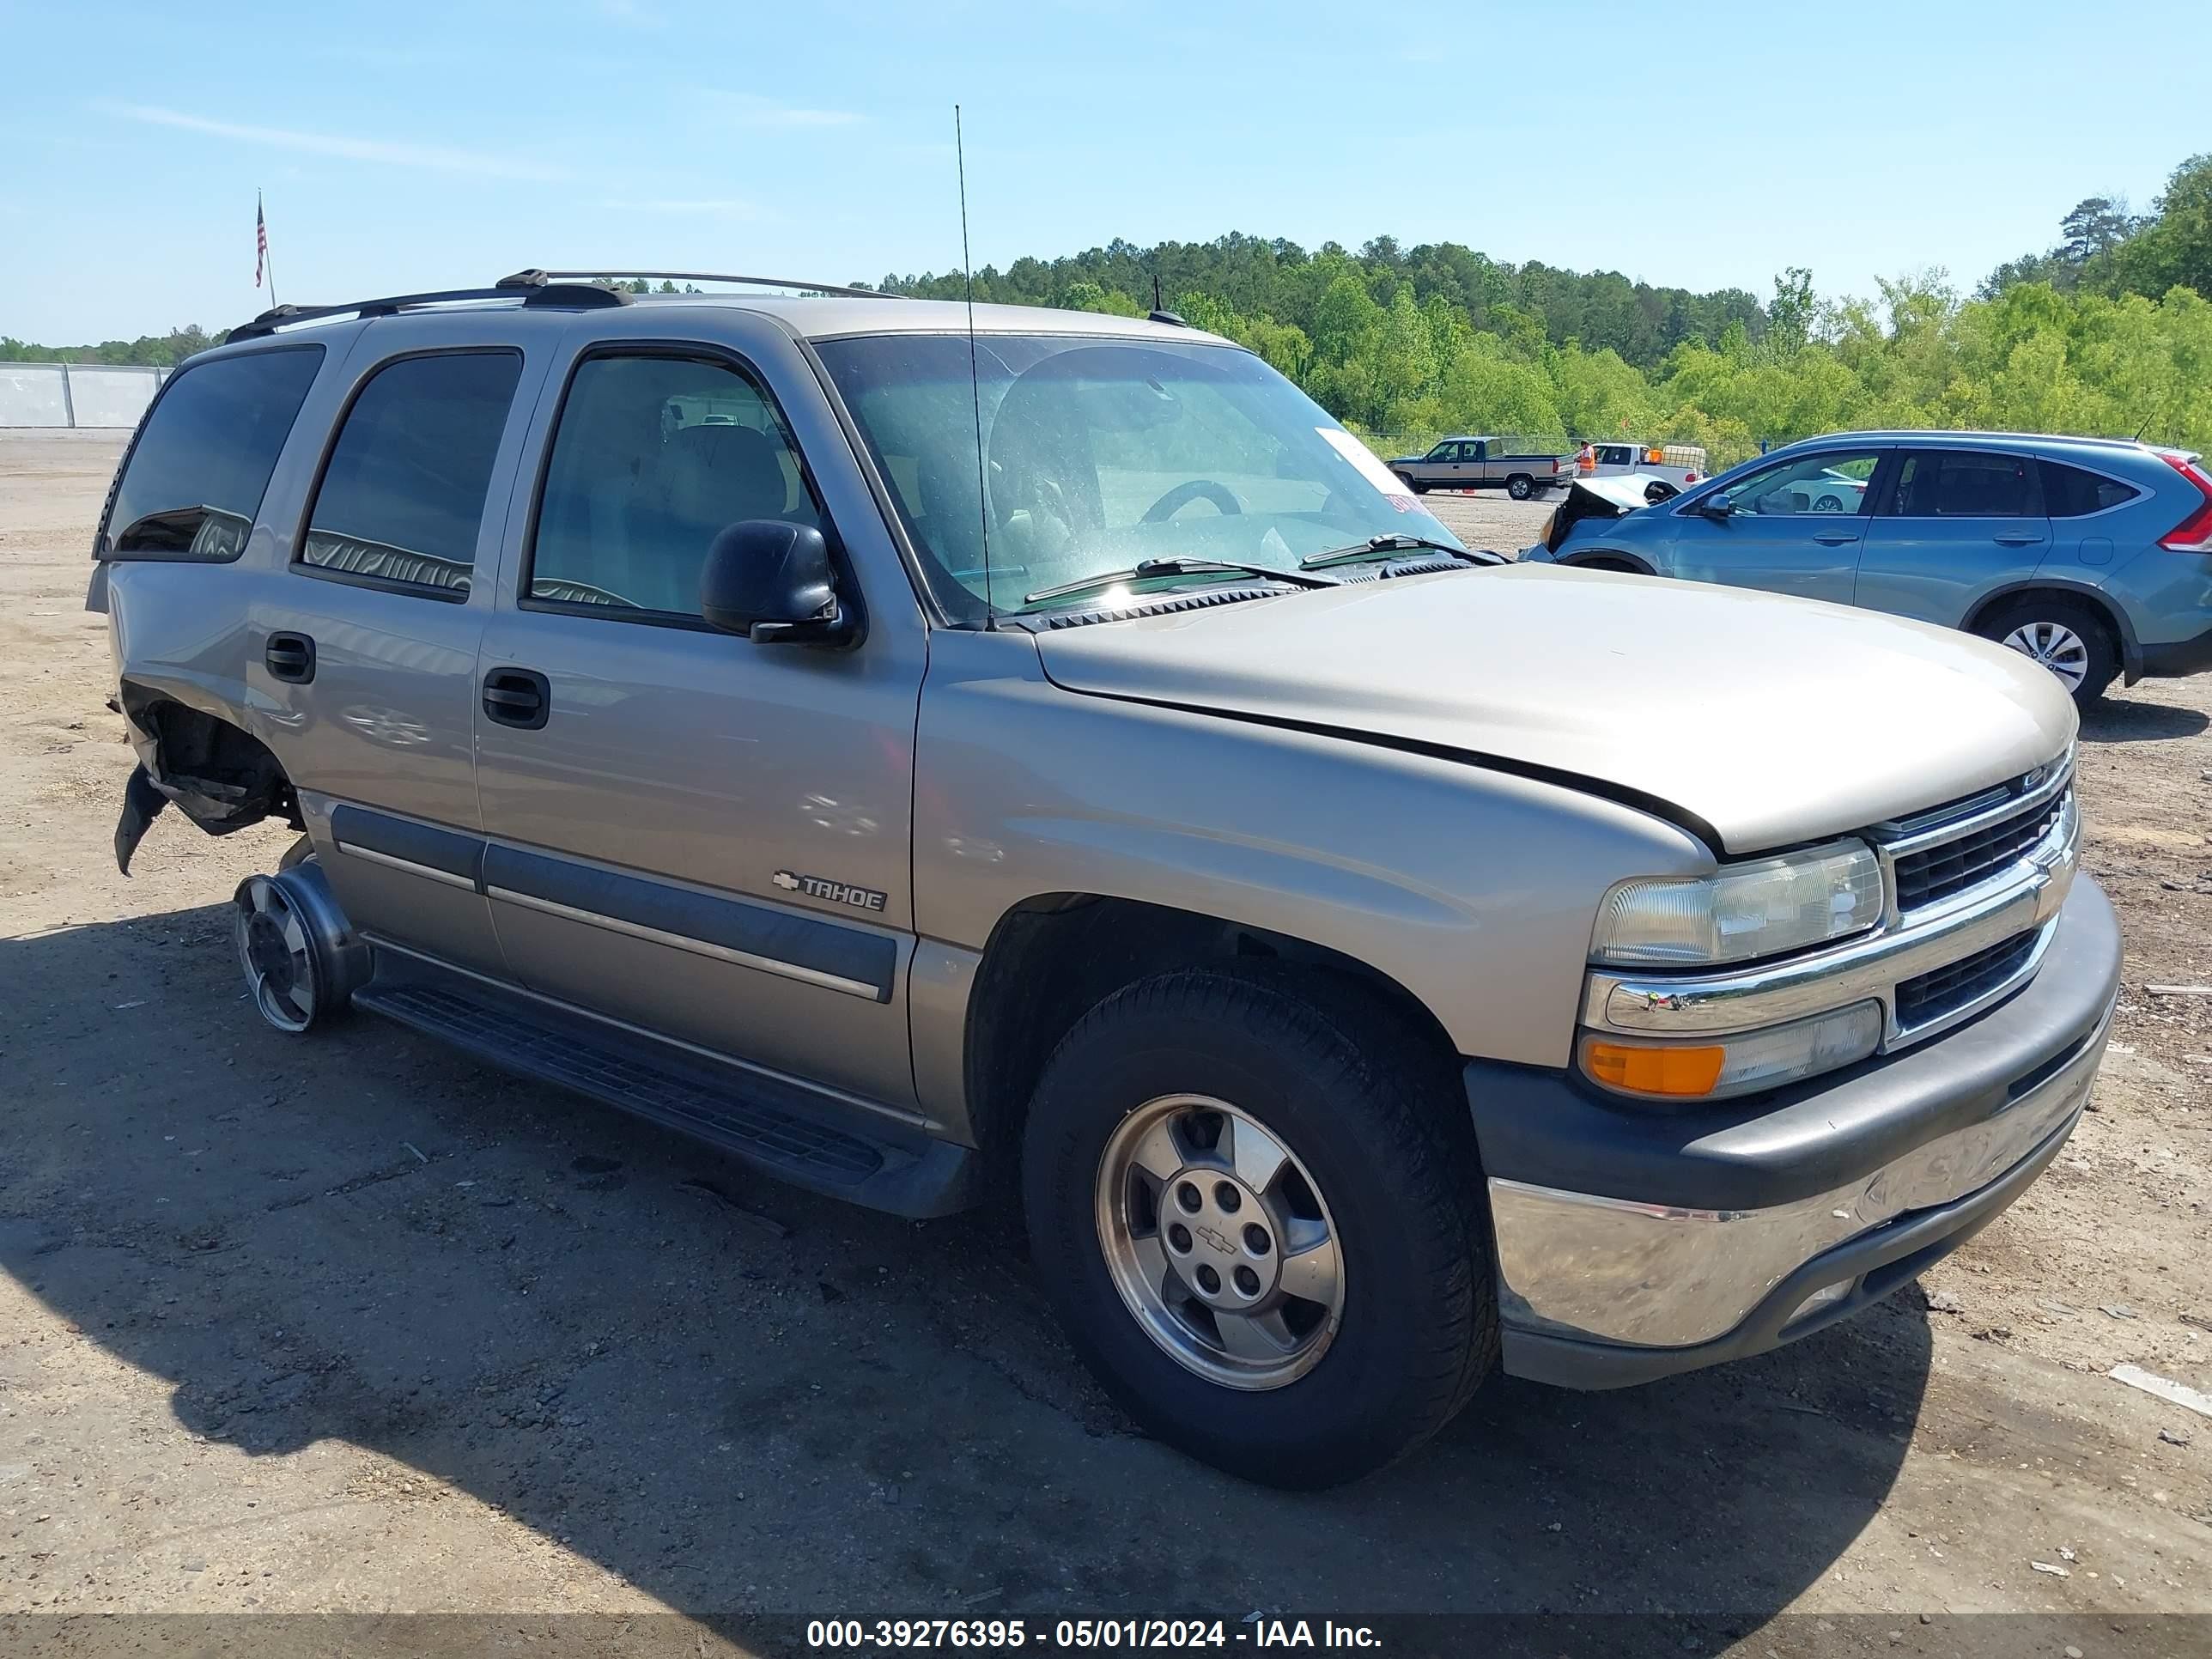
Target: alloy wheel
pixel 2056 646
pixel 1219 1242
pixel 276 954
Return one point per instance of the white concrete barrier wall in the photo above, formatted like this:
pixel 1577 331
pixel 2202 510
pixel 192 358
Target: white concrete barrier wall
pixel 75 394
pixel 33 394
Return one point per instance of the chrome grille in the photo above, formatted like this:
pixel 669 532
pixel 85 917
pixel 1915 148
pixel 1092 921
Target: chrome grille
pixel 1952 850
pixel 1958 985
pixel 1954 866
pixel 1936 872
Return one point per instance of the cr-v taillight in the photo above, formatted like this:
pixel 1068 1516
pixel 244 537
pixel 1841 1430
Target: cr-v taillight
pixel 2194 533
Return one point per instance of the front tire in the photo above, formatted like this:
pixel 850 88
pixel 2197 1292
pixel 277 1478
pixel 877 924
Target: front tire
pixel 1520 487
pixel 2065 635
pixel 1413 484
pixel 1260 1224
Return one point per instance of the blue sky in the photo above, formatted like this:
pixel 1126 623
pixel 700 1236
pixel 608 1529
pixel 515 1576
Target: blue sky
pixel 412 146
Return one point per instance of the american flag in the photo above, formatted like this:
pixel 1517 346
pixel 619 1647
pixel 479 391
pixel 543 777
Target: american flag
pixel 260 241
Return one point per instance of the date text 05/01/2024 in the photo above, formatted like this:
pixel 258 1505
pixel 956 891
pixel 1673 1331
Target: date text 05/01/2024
pixel 856 1635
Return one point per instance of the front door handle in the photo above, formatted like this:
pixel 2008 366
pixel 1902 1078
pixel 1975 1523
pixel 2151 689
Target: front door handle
pixel 290 658
pixel 1835 537
pixel 518 696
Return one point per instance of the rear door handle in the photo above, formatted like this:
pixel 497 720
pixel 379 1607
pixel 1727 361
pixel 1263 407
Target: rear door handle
pixel 518 696
pixel 290 658
pixel 1835 537
pixel 2017 539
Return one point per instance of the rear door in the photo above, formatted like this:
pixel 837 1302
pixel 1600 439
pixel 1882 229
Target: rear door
pixel 364 641
pixel 1797 527
pixel 1952 525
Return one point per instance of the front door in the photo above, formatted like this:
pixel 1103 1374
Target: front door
pixel 699 834
pixel 1954 523
pixel 1796 527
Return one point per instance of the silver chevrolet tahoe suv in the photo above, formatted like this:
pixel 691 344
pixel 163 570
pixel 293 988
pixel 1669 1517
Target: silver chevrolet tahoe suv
pixel 1057 764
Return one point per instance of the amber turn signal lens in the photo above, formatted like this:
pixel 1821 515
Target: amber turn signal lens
pixel 1685 1073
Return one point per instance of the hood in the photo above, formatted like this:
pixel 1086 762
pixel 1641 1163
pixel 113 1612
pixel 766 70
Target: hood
pixel 1607 500
pixel 1770 720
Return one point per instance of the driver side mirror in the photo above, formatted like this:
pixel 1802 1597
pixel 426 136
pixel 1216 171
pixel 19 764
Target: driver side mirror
pixel 1718 507
pixel 773 582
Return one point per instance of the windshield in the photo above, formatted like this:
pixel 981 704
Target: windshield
pixel 1103 455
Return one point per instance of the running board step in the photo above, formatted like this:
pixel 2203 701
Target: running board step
pixel 766 1122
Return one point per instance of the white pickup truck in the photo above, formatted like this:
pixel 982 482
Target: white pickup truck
pixel 1680 464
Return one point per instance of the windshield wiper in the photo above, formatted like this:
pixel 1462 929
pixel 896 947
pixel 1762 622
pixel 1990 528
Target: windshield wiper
pixel 1376 547
pixel 1145 569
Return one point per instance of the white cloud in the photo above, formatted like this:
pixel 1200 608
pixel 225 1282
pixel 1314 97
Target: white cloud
pixel 749 109
pixel 387 152
pixel 719 206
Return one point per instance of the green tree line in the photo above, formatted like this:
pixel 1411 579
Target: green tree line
pixel 2109 333
pixel 1283 281
pixel 2106 332
pixel 161 350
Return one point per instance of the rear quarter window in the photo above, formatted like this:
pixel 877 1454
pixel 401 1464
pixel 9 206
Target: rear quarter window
pixel 193 481
pixel 2074 492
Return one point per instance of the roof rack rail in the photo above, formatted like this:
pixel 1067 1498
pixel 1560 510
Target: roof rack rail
pixel 572 295
pixel 812 287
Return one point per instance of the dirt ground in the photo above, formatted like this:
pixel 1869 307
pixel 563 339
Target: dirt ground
pixel 353 1325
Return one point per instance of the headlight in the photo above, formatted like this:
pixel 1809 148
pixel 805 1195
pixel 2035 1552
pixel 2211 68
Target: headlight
pixel 1733 1065
pixel 1744 912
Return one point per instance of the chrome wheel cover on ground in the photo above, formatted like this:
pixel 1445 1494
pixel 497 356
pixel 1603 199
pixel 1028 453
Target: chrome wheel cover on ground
pixel 274 949
pixel 2056 646
pixel 1219 1242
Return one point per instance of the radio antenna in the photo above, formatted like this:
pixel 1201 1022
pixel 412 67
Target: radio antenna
pixel 975 378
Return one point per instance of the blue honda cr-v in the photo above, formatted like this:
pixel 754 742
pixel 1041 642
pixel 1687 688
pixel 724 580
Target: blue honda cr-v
pixel 2092 555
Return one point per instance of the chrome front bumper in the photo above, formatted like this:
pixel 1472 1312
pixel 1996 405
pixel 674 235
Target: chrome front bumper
pixel 1631 1243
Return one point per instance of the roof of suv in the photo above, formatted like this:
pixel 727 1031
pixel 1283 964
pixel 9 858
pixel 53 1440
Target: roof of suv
pixel 814 317
pixel 826 316
pixel 1916 438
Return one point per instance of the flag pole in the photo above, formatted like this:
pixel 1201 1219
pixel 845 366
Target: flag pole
pixel 264 263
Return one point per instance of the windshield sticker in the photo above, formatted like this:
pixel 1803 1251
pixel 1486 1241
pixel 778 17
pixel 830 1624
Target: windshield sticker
pixel 1393 488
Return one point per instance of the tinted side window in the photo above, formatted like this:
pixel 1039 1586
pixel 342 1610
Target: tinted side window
pixel 403 495
pixel 654 456
pixel 1965 484
pixel 196 476
pixel 2069 492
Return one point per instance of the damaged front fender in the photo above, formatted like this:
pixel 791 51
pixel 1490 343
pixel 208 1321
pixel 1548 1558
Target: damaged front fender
pixel 221 778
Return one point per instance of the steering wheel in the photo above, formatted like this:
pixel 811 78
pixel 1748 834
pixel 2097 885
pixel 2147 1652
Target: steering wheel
pixel 1195 489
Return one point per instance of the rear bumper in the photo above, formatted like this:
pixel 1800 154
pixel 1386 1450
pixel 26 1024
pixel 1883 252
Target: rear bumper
pixel 1632 1243
pixel 2176 658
